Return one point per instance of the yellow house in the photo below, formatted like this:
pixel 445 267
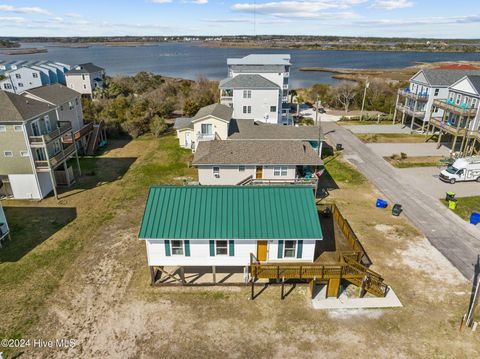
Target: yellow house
pixel 210 123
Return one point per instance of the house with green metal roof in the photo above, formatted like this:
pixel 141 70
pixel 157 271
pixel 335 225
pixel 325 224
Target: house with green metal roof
pixel 225 225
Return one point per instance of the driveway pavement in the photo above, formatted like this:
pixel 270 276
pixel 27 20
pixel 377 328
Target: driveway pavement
pixel 411 149
pixel 426 179
pixel 398 128
pixel 456 239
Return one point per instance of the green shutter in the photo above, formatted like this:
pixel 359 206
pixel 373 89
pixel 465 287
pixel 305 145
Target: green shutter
pixel 212 248
pixel 280 249
pixel 299 249
pixel 167 248
pixel 231 248
pixel 187 248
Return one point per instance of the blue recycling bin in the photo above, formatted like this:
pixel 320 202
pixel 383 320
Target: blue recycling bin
pixel 381 203
pixel 475 218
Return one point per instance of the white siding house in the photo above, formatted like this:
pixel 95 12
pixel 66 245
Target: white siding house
pixel 225 225
pixel 85 78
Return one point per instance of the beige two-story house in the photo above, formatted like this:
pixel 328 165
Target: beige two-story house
pixel 210 123
pixel 33 158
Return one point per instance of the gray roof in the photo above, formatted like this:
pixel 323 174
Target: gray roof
pixel 252 130
pixel 251 152
pixel 18 108
pixel 261 59
pixel 258 68
pixel 87 68
pixel 442 77
pixel 475 80
pixel 57 94
pixel 248 82
pixel 183 122
pixel 217 110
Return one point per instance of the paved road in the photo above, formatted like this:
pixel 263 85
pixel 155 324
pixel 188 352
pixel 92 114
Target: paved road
pixel 456 239
pixel 426 178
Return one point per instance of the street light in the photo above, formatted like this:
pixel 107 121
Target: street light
pixel 367 85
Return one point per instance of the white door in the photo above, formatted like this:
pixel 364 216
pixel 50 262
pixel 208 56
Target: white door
pixel 188 140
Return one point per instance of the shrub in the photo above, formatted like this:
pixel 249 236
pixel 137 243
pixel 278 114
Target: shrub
pixel 403 155
pixel 158 126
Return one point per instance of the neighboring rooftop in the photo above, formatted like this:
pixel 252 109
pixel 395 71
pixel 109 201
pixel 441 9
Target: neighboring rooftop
pixel 248 82
pixel 261 59
pixel 258 68
pixel 18 108
pixel 475 81
pixel 56 94
pixel 87 68
pixel 230 212
pixel 254 152
pixel 252 130
pixel 217 110
pixel 437 77
pixel 183 122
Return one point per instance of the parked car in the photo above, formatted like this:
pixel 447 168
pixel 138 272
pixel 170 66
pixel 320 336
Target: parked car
pixel 463 169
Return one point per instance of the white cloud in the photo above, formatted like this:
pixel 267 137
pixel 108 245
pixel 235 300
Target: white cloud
pixel 24 10
pixel 161 1
pixel 73 14
pixel 12 19
pixel 392 4
pixel 313 9
pixel 470 19
pixel 200 2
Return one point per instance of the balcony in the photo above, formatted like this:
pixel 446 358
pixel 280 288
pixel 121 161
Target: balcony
pixel 450 106
pixel 409 111
pixel 54 161
pixel 41 141
pixel 78 134
pixel 205 136
pixel 421 97
pixel 226 100
pixel 448 127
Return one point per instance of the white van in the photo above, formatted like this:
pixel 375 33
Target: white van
pixel 463 169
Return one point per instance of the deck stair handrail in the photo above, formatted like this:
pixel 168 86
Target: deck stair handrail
pixel 245 181
pixel 94 139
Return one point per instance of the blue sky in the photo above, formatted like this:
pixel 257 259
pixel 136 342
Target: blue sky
pixel 404 18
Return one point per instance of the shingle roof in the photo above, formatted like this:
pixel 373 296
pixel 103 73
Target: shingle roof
pixel 230 212
pixel 261 59
pixel 248 82
pixel 87 68
pixel 258 68
pixel 183 122
pixel 475 80
pixel 254 152
pixel 217 110
pixel 57 94
pixel 16 108
pixel 438 77
pixel 251 130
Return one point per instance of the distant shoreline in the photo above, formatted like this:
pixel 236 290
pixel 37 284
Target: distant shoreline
pixel 23 51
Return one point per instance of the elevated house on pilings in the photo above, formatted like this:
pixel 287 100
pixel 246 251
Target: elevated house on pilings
pixel 461 119
pixel 415 104
pixel 4 229
pixel 263 234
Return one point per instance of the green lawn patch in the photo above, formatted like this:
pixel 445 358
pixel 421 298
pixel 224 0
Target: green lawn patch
pixel 341 171
pixel 416 161
pixel 465 206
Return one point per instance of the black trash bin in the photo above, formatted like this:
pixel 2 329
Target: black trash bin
pixel 396 209
pixel 339 147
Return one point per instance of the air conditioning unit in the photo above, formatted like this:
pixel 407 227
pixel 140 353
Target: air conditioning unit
pixel 216 175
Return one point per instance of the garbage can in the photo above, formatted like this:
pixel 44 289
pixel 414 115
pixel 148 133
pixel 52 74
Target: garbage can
pixel 475 218
pixel 381 203
pixel 396 209
pixel 339 147
pixel 452 204
pixel 449 196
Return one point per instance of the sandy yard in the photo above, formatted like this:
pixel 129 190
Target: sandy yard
pixel 103 299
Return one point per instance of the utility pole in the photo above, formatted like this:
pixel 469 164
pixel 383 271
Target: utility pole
pixel 367 85
pixel 316 112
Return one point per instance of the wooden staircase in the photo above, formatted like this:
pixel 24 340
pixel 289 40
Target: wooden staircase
pixel 94 139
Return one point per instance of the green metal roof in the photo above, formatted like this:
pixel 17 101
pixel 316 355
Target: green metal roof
pixel 230 212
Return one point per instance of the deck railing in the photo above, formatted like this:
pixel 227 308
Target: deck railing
pixel 409 111
pixel 423 97
pixel 78 134
pixel 455 109
pixel 42 140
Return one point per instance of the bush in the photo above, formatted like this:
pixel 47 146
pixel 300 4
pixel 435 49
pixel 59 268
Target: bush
pixel 403 155
pixel 158 126
pixel 306 121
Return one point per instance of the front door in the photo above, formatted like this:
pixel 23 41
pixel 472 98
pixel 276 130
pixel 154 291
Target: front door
pixel 188 140
pixel 259 172
pixel 262 251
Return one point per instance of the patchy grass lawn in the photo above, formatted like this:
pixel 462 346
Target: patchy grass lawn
pixel 342 171
pixel 356 122
pixel 48 236
pixel 417 161
pixel 97 292
pixel 390 138
pixel 465 206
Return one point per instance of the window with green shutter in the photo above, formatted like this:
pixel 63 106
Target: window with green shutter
pixel 280 250
pixel 299 249
pixel 212 248
pixel 167 249
pixel 231 248
pixel 187 248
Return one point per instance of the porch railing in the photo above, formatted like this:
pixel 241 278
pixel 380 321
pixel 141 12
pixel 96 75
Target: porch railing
pixel 451 107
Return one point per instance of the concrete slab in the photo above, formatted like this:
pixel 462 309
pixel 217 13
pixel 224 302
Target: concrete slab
pixel 398 128
pixel 411 149
pixel 426 179
pixel 343 302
